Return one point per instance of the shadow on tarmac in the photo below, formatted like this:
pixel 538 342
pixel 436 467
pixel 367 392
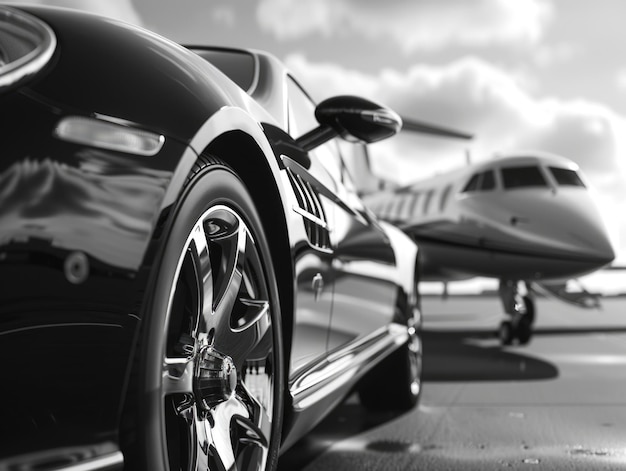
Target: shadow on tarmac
pixel 462 355
pixel 579 331
pixel 448 356
pixel 348 419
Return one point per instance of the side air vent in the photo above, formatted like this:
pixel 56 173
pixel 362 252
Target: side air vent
pixel 312 212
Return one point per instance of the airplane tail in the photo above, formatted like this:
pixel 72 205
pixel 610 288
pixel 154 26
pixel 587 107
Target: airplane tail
pixel 359 166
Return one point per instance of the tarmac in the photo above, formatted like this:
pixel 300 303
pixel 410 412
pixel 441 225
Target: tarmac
pixel 558 403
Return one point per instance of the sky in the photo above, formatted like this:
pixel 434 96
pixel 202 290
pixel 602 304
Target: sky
pixel 518 74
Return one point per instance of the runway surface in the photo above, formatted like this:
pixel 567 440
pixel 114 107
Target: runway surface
pixel 558 403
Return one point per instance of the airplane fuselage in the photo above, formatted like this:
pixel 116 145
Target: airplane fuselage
pixel 523 217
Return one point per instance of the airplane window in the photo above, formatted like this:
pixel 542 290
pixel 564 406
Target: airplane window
pixel 472 185
pixel 413 205
pixel 566 177
pixel 519 177
pixel 429 196
pixel 387 210
pixel 445 195
pixel 394 208
pixel 402 207
pixel 488 181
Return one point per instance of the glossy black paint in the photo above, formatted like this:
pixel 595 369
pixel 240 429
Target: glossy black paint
pixel 103 66
pixel 358 119
pixel 71 340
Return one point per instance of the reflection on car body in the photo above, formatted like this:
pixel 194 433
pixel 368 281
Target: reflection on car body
pixel 189 278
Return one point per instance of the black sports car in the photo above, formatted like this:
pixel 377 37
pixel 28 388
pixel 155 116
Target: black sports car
pixel 188 279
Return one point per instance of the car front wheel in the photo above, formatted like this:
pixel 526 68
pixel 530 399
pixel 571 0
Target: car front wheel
pixel 212 366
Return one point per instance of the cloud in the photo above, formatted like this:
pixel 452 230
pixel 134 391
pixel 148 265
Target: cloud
pixel 620 79
pixel 428 24
pixel 473 95
pixel 547 55
pixel 224 14
pixel 118 9
pixel 493 104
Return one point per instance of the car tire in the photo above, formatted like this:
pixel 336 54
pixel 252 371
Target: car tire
pixel 212 368
pixel 395 384
pixel 524 330
pixel 506 333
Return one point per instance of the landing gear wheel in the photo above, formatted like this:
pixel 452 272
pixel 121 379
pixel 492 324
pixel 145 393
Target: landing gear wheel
pixel 212 369
pixel 395 384
pixel 524 330
pixel 505 333
pixel 529 306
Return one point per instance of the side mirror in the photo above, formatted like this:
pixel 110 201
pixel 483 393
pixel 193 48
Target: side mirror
pixel 354 119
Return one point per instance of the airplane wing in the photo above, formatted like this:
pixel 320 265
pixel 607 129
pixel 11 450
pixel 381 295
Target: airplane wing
pixel 558 289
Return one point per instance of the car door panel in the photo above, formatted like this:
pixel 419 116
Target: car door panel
pixel 364 284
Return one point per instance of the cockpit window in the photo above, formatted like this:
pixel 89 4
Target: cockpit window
pixel 472 185
pixel 488 181
pixel 483 181
pixel 520 177
pixel 566 177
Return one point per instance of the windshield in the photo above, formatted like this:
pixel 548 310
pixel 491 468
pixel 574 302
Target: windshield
pixel 522 177
pixel 566 177
pixel 482 181
pixel 239 66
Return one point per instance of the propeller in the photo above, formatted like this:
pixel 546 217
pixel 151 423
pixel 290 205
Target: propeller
pixel 412 125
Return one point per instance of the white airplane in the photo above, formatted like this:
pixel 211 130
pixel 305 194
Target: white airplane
pixel 528 219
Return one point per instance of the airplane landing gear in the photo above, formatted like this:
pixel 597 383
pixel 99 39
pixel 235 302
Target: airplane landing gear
pixel 521 309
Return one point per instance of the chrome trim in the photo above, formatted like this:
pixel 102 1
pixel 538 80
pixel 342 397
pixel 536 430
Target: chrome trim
pixel 255 79
pixel 311 217
pixel 321 188
pixel 79 459
pixel 343 365
pixel 102 463
pixel 66 130
pixel 35 60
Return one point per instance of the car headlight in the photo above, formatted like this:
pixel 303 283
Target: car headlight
pixel 107 135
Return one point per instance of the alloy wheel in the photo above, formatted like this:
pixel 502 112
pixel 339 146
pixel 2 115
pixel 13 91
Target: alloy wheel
pixel 219 362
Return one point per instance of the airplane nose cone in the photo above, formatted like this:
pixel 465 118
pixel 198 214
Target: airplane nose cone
pixel 594 242
pixel 562 232
pixel 574 222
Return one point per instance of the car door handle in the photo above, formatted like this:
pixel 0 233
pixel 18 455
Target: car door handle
pixel 318 285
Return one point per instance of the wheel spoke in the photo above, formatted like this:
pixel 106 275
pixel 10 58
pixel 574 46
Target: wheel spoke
pixel 252 343
pixel 202 436
pixel 178 376
pixel 228 282
pixel 251 435
pixel 221 442
pixel 218 367
pixel 257 389
pixel 253 310
pixel 202 264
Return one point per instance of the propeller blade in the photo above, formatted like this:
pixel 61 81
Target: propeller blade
pixel 412 125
